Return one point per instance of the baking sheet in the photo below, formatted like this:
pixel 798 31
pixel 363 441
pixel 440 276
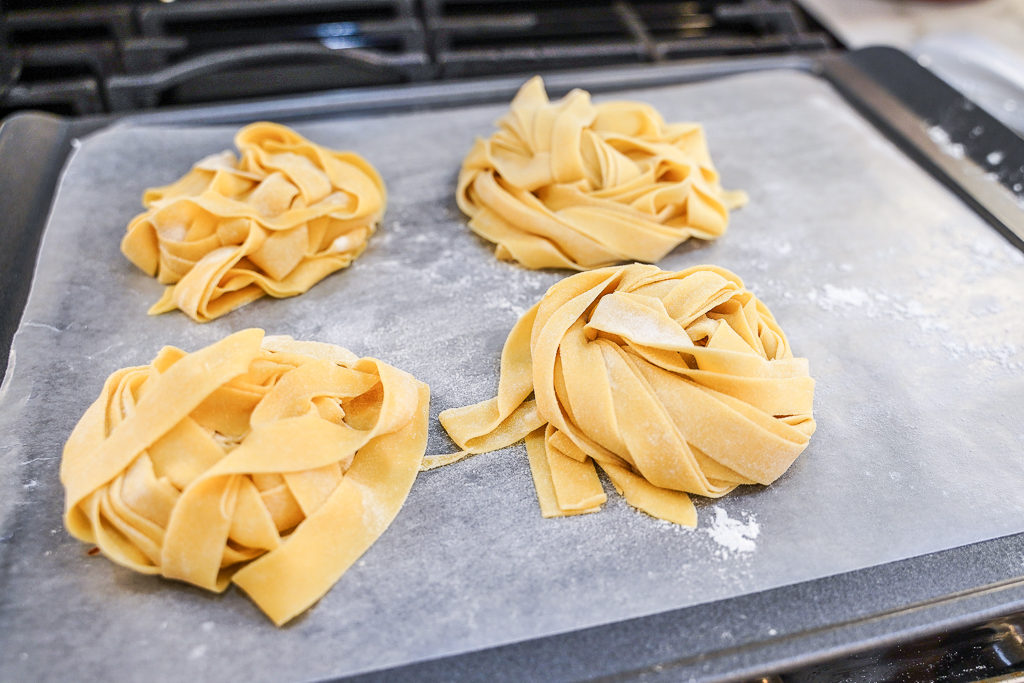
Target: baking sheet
pixel 908 306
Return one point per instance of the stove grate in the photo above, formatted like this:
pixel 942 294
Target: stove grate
pixel 92 56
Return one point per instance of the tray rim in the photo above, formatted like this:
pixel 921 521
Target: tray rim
pixel 651 646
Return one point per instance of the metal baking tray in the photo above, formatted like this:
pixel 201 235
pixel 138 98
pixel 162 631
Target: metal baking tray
pixel 757 612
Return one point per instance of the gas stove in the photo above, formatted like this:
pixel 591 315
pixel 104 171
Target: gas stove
pixel 92 57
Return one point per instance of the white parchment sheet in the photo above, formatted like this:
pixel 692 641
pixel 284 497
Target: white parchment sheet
pixel 909 307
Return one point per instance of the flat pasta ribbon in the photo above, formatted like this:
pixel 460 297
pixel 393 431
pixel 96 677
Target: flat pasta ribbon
pixel 274 466
pixel 275 221
pixel 671 382
pixel 570 184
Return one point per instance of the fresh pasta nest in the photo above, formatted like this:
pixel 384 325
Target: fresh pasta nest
pixel 570 184
pixel 274 221
pixel 270 463
pixel 671 382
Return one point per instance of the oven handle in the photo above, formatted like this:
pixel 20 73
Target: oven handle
pixel 129 92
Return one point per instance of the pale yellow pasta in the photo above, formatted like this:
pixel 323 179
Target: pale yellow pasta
pixel 265 462
pixel 671 382
pixel 571 184
pixel 274 221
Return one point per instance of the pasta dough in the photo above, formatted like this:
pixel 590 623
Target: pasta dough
pixel 570 184
pixel 671 382
pixel 276 221
pixel 272 465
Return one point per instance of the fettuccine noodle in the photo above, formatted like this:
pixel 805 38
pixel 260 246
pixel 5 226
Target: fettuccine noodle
pixel 671 382
pixel 274 221
pixel 570 184
pixel 273 465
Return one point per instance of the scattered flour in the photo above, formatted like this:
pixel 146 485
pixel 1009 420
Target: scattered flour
pixel 733 535
pixel 844 296
pixel 874 304
pixel 982 248
pixel 995 158
pixel 342 243
pixel 1003 354
pixel 941 138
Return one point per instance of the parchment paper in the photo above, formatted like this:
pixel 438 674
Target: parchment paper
pixel 908 306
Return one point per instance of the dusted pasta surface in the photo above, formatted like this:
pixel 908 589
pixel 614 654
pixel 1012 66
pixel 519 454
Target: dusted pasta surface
pixel 274 221
pixel 266 462
pixel 571 184
pixel 671 382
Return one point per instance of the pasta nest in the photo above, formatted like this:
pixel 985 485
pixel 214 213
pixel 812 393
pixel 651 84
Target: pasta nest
pixel 274 221
pixel 274 465
pixel 671 382
pixel 570 184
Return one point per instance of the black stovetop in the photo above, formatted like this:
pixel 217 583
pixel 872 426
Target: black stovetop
pixel 89 57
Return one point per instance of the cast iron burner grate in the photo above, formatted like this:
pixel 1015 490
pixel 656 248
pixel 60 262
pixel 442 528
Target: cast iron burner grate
pixel 85 57
pixel 472 38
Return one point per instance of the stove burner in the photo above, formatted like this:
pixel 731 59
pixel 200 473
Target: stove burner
pixel 94 56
